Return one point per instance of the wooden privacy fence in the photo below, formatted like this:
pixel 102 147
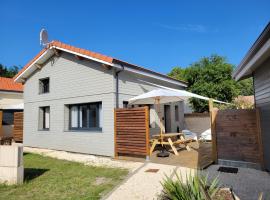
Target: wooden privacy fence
pixel 18 127
pixel 1 119
pixel 131 131
pixel 236 135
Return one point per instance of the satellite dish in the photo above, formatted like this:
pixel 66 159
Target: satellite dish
pixel 43 36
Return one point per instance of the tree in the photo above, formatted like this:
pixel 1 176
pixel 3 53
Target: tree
pixel 211 77
pixel 245 87
pixel 8 72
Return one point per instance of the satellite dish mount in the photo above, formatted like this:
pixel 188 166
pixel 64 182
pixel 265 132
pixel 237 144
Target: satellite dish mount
pixel 44 39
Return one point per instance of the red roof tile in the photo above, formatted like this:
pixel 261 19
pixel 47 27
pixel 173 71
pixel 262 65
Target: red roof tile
pixel 70 48
pixel 8 84
pixel 88 53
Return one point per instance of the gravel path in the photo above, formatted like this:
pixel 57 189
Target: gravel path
pixel 144 185
pixel 92 160
pixel 246 184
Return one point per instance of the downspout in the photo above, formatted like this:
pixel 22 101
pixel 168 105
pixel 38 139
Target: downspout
pixel 117 85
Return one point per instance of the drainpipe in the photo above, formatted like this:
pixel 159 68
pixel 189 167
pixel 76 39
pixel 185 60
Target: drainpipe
pixel 117 86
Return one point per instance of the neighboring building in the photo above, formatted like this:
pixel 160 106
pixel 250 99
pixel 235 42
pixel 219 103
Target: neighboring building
pixel 256 64
pixel 11 100
pixel 70 95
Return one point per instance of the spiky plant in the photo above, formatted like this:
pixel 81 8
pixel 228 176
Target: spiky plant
pixel 195 187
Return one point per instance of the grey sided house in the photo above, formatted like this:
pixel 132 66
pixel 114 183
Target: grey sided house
pixel 70 95
pixel 256 64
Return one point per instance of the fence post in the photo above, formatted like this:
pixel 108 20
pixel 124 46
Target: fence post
pixel 210 104
pixel 146 110
pixel 260 142
pixel 213 115
pixel 115 132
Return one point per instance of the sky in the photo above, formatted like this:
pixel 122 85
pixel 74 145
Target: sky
pixel 156 34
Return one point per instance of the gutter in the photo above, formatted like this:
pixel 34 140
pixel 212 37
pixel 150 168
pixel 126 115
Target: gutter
pixel 117 85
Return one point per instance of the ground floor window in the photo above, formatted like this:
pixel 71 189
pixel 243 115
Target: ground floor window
pixel 8 116
pixel 45 118
pixel 85 116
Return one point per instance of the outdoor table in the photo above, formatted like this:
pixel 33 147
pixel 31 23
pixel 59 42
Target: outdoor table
pixel 169 136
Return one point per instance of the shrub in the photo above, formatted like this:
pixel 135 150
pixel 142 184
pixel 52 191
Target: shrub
pixel 196 187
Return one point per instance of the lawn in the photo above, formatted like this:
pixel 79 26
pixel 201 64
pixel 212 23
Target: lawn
pixel 49 178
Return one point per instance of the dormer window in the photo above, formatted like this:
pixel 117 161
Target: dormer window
pixel 44 85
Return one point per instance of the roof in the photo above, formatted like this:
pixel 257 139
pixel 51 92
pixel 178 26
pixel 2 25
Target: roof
pixel 93 56
pixel 258 53
pixel 8 84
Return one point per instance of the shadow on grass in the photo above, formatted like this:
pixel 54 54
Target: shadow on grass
pixel 32 173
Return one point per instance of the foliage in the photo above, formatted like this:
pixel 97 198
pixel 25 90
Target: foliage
pixel 193 187
pixel 211 77
pixel 49 178
pixel 238 103
pixel 8 72
pixel 245 87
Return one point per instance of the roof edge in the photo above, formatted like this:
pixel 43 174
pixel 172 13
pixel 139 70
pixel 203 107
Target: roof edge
pixel 263 37
pixel 183 83
pixel 96 57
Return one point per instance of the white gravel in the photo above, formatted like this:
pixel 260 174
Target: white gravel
pixel 247 184
pixel 145 185
pixel 92 160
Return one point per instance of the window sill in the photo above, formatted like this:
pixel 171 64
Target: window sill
pixel 43 129
pixel 44 93
pixel 99 130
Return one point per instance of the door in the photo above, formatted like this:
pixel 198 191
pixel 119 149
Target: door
pixel 167 118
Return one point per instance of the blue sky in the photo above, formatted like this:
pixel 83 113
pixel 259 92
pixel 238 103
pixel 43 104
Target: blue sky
pixel 155 34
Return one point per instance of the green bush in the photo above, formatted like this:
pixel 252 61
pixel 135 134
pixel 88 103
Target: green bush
pixel 196 187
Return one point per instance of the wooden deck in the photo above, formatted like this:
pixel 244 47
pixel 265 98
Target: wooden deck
pixel 199 157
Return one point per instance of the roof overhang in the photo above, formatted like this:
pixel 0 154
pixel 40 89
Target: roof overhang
pixel 34 66
pixel 118 64
pixel 257 54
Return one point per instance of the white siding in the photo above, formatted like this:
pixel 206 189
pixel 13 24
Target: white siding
pixel 131 85
pixel 71 81
pixel 75 81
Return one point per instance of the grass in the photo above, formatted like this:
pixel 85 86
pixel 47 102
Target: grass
pixel 49 178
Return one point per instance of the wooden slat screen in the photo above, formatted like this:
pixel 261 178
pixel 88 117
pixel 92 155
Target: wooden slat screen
pixel 238 135
pixel 132 131
pixel 18 127
pixel 1 119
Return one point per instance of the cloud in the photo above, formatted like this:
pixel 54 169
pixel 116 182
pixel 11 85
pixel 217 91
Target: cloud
pixel 198 28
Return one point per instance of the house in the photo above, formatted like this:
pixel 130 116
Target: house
pixel 70 95
pixel 11 100
pixel 256 64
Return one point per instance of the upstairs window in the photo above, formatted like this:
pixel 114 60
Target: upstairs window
pixel 44 85
pixel 85 116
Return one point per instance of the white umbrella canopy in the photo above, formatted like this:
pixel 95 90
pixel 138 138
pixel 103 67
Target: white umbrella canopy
pixel 164 96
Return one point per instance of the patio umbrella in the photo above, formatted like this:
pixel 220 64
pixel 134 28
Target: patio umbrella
pixel 161 96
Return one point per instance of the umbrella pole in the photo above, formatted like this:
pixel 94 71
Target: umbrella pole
pixel 160 123
pixel 163 152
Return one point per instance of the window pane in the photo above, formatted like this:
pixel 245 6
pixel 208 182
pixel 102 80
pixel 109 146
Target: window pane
pixel 93 116
pixel 83 116
pixel 100 115
pixel 86 116
pixel 176 113
pixel 74 116
pixel 47 117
